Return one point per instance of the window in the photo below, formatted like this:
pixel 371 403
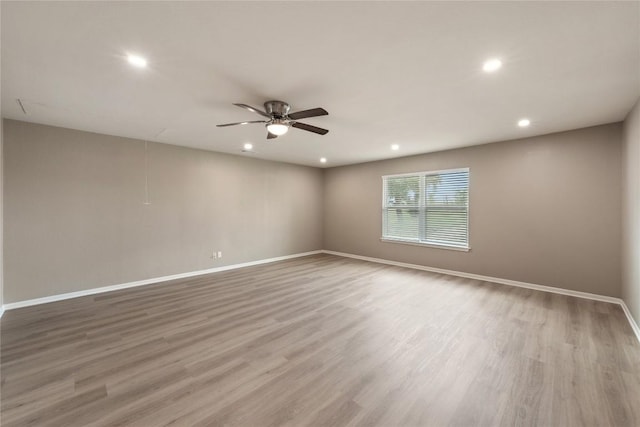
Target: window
pixel 427 208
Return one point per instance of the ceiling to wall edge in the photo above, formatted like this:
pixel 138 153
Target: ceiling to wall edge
pixel 328 166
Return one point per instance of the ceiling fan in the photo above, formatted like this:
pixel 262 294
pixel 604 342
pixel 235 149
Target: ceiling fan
pixel 279 119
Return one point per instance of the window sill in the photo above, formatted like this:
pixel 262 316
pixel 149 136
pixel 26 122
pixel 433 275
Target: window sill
pixel 428 245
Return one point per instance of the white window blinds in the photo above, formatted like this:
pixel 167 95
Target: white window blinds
pixel 429 208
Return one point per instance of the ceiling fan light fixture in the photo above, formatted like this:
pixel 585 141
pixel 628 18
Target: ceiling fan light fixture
pixel 277 128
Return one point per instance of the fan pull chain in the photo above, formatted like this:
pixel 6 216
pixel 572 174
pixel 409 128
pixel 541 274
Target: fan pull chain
pixel 146 174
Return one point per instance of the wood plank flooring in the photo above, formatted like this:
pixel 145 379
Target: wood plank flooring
pixel 320 340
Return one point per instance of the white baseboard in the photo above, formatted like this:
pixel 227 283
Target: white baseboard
pixel 1 311
pixel 630 318
pixel 508 282
pixel 60 297
pixel 483 278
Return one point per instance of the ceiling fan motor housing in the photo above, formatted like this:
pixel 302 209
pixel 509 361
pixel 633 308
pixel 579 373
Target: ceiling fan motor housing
pixel 277 108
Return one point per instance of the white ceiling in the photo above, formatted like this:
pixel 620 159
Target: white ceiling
pixel 407 73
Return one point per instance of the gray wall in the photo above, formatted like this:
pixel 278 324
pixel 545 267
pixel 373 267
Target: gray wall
pixel 631 212
pixel 544 210
pixel 75 218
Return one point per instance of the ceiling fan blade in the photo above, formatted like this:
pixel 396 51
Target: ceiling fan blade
pixel 314 112
pixel 271 135
pixel 241 123
pixel 253 109
pixel 309 128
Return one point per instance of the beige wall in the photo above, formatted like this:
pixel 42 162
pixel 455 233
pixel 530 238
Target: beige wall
pixel 75 218
pixel 543 210
pixel 1 214
pixel 631 212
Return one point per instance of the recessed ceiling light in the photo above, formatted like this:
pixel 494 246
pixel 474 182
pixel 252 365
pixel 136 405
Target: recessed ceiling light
pixel 395 147
pixel 523 123
pixel 492 65
pixel 137 61
pixel 323 160
pixel 248 146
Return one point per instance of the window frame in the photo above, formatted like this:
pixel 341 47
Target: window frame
pixel 422 207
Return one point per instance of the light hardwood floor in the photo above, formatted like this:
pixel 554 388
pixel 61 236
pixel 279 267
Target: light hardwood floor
pixel 321 340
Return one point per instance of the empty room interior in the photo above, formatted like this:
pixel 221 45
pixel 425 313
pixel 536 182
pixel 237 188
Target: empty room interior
pixel 320 213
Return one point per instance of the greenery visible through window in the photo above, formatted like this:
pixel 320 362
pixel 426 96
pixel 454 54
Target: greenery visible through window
pixel 427 208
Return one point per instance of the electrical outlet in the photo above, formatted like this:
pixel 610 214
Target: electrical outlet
pixel 214 255
pixel 219 254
